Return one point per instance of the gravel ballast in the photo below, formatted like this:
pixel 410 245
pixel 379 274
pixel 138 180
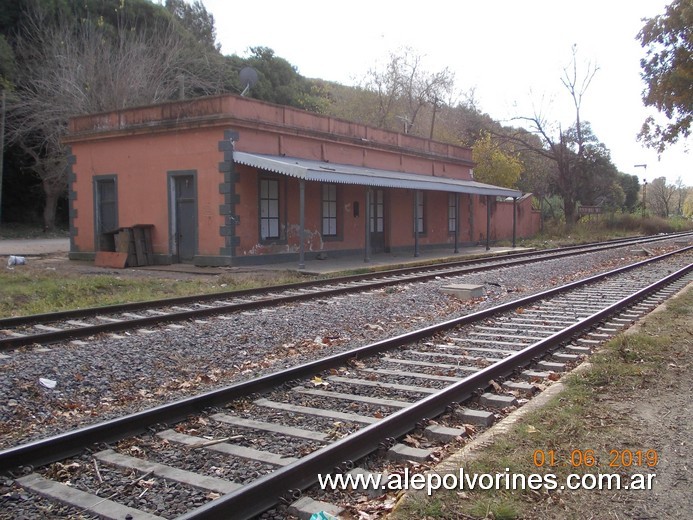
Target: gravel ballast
pixel 110 377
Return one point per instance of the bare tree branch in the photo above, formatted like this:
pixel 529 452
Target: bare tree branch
pixel 404 89
pixel 78 66
pixel 564 147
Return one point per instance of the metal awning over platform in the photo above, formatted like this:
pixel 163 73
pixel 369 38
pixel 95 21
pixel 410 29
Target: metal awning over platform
pixel 321 171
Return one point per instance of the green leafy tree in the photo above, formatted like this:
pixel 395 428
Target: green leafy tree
pixel 351 103
pixel 630 184
pixel 599 185
pixel 661 197
pixel 668 73
pixel 279 82
pixel 198 22
pixel 597 177
pixel 688 204
pixel 493 165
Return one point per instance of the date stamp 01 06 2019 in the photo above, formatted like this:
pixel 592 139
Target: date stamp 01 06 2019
pixel 625 458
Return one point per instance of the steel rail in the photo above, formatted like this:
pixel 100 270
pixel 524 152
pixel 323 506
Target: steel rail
pixel 80 332
pixel 70 443
pixel 264 493
pixel 13 321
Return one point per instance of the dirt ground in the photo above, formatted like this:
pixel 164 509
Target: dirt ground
pixel 659 415
pixel 59 263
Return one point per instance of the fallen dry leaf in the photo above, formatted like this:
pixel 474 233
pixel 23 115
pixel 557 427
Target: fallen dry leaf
pixel 498 388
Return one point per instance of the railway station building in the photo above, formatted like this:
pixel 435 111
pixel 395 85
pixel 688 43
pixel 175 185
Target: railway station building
pixel 227 180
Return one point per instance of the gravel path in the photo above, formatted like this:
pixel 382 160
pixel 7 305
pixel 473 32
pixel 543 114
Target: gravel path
pixel 109 377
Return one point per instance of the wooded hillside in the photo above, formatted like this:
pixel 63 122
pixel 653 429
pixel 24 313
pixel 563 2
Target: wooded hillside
pixel 60 58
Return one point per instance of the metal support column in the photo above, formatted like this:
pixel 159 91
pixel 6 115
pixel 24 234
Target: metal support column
pixel 471 219
pixel 416 223
pixel 488 222
pixel 457 223
pixel 514 220
pixel 302 225
pixel 367 215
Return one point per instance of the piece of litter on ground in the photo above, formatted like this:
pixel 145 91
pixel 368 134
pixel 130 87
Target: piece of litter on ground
pixel 15 260
pixel 48 383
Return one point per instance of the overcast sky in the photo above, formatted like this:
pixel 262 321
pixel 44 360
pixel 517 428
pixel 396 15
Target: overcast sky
pixel 511 53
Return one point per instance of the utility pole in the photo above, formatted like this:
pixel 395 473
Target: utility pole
pixel 644 197
pixel 644 188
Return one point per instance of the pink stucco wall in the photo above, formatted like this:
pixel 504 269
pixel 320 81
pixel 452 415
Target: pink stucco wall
pixel 142 146
pixel 141 164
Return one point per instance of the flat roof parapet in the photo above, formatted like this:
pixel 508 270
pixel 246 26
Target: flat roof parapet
pixel 230 109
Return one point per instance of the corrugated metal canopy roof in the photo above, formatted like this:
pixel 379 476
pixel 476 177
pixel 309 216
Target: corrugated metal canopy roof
pixel 346 174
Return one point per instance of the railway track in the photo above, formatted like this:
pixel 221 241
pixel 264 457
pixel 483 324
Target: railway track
pixel 268 437
pixel 74 324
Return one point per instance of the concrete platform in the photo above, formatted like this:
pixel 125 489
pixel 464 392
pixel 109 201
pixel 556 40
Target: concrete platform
pixel 390 260
pixel 330 266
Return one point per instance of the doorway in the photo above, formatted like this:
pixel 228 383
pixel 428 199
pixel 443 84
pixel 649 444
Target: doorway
pixel 377 222
pixel 105 211
pixel 183 216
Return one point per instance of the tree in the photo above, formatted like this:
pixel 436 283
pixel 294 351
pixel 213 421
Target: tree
pixel 566 148
pixel 279 82
pixel 195 18
pixel 351 103
pixel 404 88
pixel 668 73
pixel 599 184
pixel 493 165
pixel 8 66
pixel 74 65
pixel 661 197
pixel 680 196
pixel 688 204
pixel 597 178
pixel 464 123
pixel 630 184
